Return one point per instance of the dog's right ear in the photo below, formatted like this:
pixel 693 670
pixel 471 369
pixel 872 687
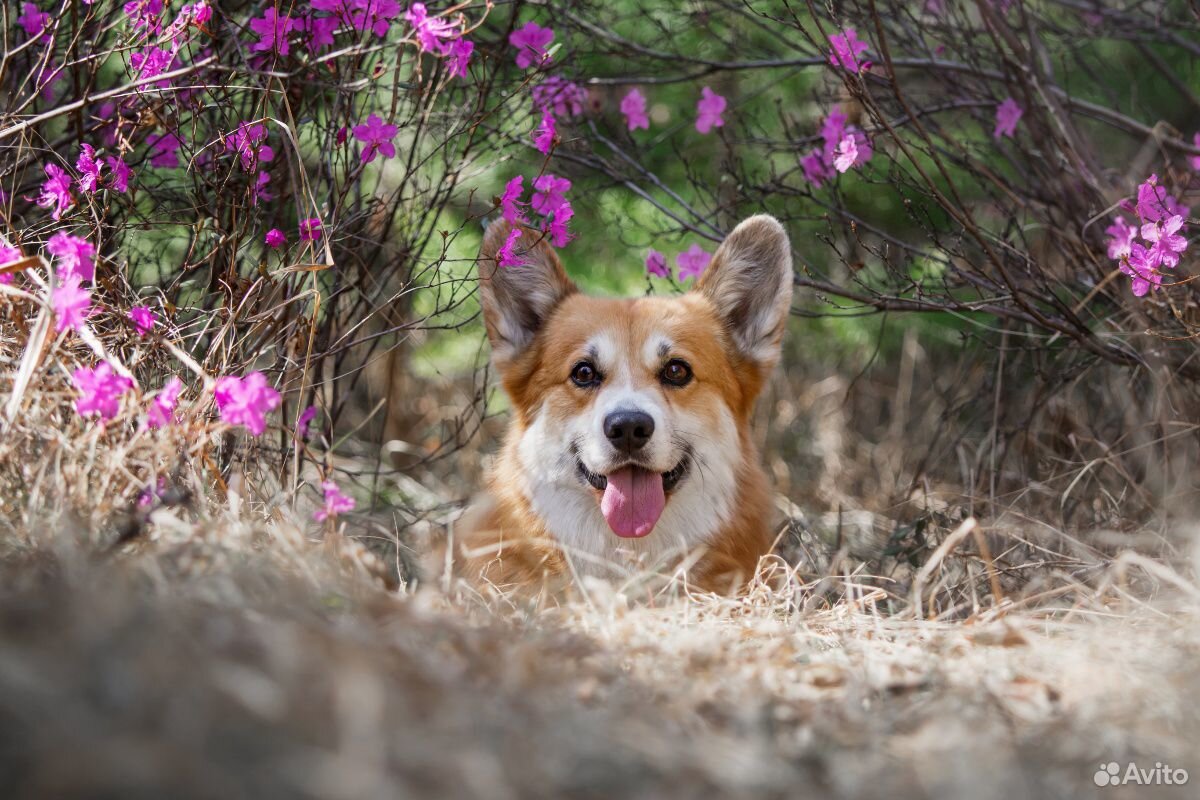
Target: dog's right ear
pixel 518 298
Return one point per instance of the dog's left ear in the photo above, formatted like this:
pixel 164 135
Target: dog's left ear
pixel 750 283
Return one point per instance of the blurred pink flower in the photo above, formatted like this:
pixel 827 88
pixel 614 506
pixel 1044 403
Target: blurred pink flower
pixel 8 254
pixel 246 141
pixel 245 401
pixel 656 264
pixel 261 193
pixel 708 110
pixel 120 173
pixel 164 149
pixel 335 502
pixel 545 132
pixel 1008 114
pixel 377 15
pixel 144 13
pixel 150 62
pixel 56 191
pixel 510 201
pixel 1137 266
pixel 377 135
pixel 431 33
pixel 33 20
pixel 816 170
pixel 531 41
pixel 73 255
pixel 556 229
pixel 506 256
pixel 89 169
pixel 302 422
pixel 161 411
pixel 845 48
pixel 72 304
pixel 548 194
pixel 143 319
pixel 1154 202
pixel 1165 242
pixel 1121 235
pixel 1195 160
pixel 47 76
pixel 692 262
pixel 633 106
pixel 320 30
pixel 276 238
pixel 273 30
pixel 559 96
pixel 847 154
pixel 310 229
pixel 100 390
pixel 459 56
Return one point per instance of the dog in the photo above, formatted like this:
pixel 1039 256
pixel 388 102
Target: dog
pixel 629 449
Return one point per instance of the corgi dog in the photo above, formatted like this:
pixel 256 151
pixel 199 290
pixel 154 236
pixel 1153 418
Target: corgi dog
pixel 629 449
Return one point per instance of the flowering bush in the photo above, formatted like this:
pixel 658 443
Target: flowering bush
pixel 215 218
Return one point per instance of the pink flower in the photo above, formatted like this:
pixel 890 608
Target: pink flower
pixel 320 30
pixel 245 401
pixel 310 230
pixel 143 319
pixel 633 106
pixel 144 13
pixel 1121 235
pixel 459 56
pixel 261 193
pixel 56 191
pixel 506 256
pixel 246 141
pixel 273 31
pixel 164 149
pixel 72 304
pixel 306 416
pixel 510 201
pixel 1008 114
pixel 847 154
pixel 100 390
pixel 8 255
pixel 531 41
pixel 150 62
pixel 162 408
pixel 378 136
pixel 545 132
pixel 1154 202
pixel 48 75
pixel 1165 242
pixel 559 96
pixel 1195 160
pixel 430 32
pixel 276 238
pixel 656 264
pixel 377 15
pixel 845 50
pixel 1137 266
pixel 692 262
pixel 548 195
pixel 816 171
pixel 89 168
pixel 556 229
pixel 335 502
pixel 73 255
pixel 708 110
pixel 33 20
pixel 120 173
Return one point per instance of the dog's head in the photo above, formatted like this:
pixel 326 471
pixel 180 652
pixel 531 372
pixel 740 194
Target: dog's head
pixel 636 408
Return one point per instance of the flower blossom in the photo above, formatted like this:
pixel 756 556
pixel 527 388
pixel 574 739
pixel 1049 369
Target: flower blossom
pixel 1008 114
pixel 56 191
pixel 100 390
pixel 335 502
pixel 1165 242
pixel 246 141
pixel 506 256
pixel 275 238
pixel 273 30
pixel 545 133
pixel 119 172
pixel 531 41
pixel 302 422
pixel 73 255
pixel 633 106
pixel 549 193
pixel 845 48
pixel 246 401
pixel 510 201
pixel 164 149
pixel 692 262
pixel 377 135
pixel 89 169
pixel 559 96
pixel 72 304
pixel 143 319
pixel 310 229
pixel 33 20
pixel 656 264
pixel 162 408
pixel 458 57
pixel 432 33
pixel 708 110
pixel 1121 235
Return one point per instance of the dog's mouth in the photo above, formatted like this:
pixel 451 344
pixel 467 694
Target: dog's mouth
pixel 633 497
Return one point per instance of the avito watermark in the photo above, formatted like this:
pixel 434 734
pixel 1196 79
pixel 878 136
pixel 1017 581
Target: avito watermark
pixel 1160 774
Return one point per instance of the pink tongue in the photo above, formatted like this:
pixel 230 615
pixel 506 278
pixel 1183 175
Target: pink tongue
pixel 633 501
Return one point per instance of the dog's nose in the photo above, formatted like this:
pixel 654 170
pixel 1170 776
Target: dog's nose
pixel 628 431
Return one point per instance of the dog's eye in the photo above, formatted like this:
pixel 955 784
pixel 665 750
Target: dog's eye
pixel 676 372
pixel 585 375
